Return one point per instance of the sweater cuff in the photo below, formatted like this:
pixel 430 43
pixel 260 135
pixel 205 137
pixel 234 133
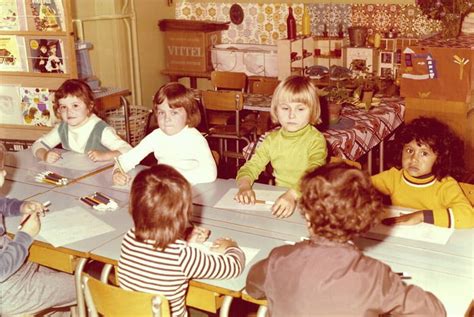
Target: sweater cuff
pixel 23 238
pixel 428 216
pixel 237 252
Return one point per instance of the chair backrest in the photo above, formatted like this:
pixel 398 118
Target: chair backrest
pixel 108 300
pixel 468 190
pixel 222 100
pixel 229 80
pixel 265 86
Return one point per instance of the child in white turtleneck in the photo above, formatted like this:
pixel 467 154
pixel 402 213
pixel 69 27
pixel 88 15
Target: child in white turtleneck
pixel 176 142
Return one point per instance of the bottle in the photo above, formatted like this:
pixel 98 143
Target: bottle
pixel 306 22
pixel 291 25
pixel 377 40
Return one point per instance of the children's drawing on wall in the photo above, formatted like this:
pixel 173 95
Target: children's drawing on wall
pixel 36 106
pixel 46 55
pixel 10 111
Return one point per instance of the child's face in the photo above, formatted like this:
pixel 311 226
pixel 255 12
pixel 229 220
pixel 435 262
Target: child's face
pixel 170 121
pixel 293 116
pixel 418 159
pixel 73 111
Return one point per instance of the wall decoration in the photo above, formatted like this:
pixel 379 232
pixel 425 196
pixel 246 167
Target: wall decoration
pixel 265 23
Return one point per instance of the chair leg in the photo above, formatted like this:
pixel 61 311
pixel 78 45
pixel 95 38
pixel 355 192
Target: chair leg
pixel 237 150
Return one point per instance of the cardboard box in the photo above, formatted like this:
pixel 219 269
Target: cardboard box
pixel 188 43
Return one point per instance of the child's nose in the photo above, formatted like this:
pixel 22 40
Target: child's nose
pixel 291 114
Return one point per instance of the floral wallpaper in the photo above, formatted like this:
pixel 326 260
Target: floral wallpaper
pixel 265 23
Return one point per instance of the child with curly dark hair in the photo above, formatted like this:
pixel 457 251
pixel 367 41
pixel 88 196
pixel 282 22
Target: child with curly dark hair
pixel 328 275
pixel 430 154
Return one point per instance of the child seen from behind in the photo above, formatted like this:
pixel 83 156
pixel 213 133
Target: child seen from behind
pixel 328 275
pixel 26 287
pixel 80 130
pixel 292 149
pixel 176 142
pixel 429 153
pixel 155 255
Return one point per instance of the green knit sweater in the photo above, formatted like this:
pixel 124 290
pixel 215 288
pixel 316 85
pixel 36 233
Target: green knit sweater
pixel 290 153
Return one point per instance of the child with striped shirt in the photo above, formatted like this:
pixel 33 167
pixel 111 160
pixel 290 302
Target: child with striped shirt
pixel 155 255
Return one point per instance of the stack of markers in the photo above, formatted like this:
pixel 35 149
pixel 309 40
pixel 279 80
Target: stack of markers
pixel 51 178
pixel 99 201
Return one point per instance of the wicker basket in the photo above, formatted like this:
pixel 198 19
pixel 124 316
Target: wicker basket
pixel 139 117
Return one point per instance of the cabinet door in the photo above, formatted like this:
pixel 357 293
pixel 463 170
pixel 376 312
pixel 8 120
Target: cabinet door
pixel 436 73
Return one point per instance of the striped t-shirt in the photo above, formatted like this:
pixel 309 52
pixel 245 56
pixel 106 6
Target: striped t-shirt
pixel 168 271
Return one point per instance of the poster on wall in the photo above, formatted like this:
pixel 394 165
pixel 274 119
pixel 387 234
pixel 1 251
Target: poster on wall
pixel 13 54
pixel 37 106
pixel 12 15
pixel 46 55
pixel 45 15
pixel 10 109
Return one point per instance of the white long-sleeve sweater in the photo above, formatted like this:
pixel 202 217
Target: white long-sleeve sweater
pixel 187 151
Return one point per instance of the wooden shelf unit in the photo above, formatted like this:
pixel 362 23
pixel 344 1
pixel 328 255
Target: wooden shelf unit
pixel 294 56
pixel 51 81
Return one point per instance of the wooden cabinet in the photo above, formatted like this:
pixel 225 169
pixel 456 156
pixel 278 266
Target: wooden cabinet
pixel 40 24
pixel 437 80
pixel 294 56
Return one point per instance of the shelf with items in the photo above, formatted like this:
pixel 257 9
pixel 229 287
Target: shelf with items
pixel 328 50
pixel 294 56
pixel 37 55
pixel 390 55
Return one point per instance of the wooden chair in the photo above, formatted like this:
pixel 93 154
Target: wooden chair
pixel 230 102
pixel 108 300
pixel 264 87
pixel 336 159
pixel 468 190
pixel 221 80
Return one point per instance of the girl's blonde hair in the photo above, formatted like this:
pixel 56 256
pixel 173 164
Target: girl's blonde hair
pixel 296 89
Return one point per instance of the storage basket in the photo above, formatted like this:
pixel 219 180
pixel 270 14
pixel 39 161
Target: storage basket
pixel 139 117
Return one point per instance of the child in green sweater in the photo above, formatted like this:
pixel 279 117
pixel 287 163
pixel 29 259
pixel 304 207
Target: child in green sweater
pixel 430 153
pixel 292 149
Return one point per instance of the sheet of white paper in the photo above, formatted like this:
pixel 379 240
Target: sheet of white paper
pixel 250 253
pixel 227 201
pixel 71 225
pixel 77 161
pixel 421 232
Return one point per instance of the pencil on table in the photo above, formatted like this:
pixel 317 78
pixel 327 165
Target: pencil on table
pixel 265 202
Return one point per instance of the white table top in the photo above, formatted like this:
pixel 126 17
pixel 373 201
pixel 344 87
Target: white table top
pixel 25 160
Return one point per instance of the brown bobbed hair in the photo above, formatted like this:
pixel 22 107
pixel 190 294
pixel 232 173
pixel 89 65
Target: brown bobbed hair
pixel 296 89
pixel 77 88
pixel 339 202
pixel 160 205
pixel 178 96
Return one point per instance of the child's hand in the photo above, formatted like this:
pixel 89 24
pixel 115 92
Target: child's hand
pixel 119 178
pixel 52 156
pixel 31 226
pixel 223 243
pixel 32 207
pixel 407 219
pixel 97 156
pixel 198 235
pixel 285 204
pixel 245 195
